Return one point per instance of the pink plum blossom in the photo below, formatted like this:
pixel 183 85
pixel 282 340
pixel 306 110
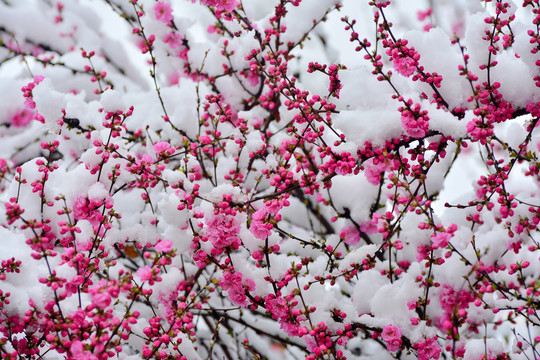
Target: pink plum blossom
pixel 404 59
pixel 405 66
pixel 145 273
pixel 161 147
pixel 102 300
pixel 221 5
pixel 440 240
pixel 350 235
pixel 164 246
pixel 260 229
pixel 414 126
pixel 21 118
pixel 222 231
pixel 236 287
pixel 373 170
pixel 428 349
pixel 173 39
pixel 88 209
pixel 277 307
pixel 392 337
pixel 273 203
pixel 79 353
pixel 163 12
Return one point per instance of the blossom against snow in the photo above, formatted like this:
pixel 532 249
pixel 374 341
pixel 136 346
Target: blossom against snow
pixel 258 227
pixel 236 287
pixel 163 12
pixel 21 118
pixel 392 337
pixel 221 5
pixel 222 231
pixel 428 349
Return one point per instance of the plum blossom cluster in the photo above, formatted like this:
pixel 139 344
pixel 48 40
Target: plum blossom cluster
pixel 270 179
pixel 237 287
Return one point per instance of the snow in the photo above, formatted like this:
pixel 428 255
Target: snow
pixel 475 349
pixel 111 100
pixel 444 59
pixel 49 103
pixel 383 302
pixel 317 203
pixel 514 75
pixel 373 125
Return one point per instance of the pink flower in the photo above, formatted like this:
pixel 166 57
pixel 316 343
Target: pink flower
pixel 205 139
pixel 252 77
pixel 258 228
pixel 343 167
pixel 167 299
pixel 259 215
pixel 227 5
pixel 71 285
pixel 257 255
pixel 423 14
pixel 102 300
pixel 232 282
pixel 86 209
pixel 200 258
pixel 440 240
pixel 261 230
pixel 237 295
pixel 277 308
pixel 274 206
pixel 173 39
pixel 161 147
pixel 29 103
pixel 514 245
pixel 350 235
pixel 80 208
pixel 103 293
pixel 249 284
pixel 222 231
pixel 428 349
pixel 392 337
pixel 27 91
pixel 415 127
pixel 163 12
pixel 422 252
pixel 292 329
pixel 405 66
pixel 145 273
pixel 174 78
pixel 453 303
pixel 221 5
pixel 370 227
pixel 79 353
pixel 21 118
pixel 479 131
pixel 164 246
pixel 373 170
